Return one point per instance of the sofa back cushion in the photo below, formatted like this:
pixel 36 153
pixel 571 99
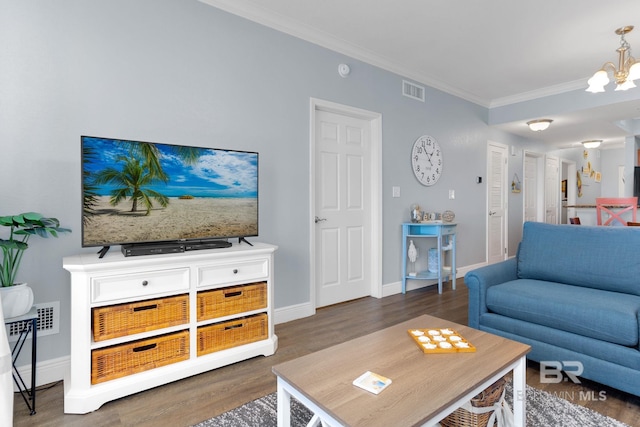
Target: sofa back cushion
pixel 596 257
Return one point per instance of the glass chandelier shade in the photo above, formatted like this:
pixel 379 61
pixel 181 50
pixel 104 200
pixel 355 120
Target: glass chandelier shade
pixel 628 68
pixel 539 125
pixel 593 143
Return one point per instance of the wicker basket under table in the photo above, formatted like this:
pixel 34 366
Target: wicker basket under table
pixel 463 418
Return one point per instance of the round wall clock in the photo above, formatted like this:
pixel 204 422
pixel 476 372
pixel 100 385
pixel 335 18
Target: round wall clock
pixel 426 160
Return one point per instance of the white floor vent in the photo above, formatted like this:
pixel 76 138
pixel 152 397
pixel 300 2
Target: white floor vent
pixel 413 91
pixel 48 321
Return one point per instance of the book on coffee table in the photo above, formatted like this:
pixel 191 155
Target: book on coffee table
pixel 372 382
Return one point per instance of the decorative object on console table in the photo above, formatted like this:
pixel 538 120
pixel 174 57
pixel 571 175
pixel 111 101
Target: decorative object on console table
pixel 412 253
pixel 19 300
pixel 432 263
pixel 416 213
pixel 448 216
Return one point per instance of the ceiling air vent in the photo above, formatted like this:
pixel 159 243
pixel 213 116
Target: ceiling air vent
pixel 412 90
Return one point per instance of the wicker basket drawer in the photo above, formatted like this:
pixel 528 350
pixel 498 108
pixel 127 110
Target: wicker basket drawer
pixel 231 300
pixel 127 319
pixel 126 359
pixel 233 333
pixel 231 273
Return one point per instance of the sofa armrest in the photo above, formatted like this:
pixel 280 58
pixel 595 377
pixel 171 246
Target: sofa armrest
pixel 479 280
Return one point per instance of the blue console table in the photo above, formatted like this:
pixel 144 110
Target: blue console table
pixel 445 235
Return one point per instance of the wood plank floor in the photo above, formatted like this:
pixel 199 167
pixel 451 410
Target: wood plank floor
pixel 189 401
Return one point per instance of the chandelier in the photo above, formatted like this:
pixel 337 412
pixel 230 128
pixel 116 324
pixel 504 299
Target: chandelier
pixel 628 67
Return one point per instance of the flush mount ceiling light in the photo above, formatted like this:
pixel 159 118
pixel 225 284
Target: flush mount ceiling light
pixel 592 143
pixel 628 67
pixel 538 125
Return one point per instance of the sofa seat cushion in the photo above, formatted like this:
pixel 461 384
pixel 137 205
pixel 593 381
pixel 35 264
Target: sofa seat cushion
pixel 594 313
pixel 598 349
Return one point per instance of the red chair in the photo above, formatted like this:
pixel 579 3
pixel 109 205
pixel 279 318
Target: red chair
pixel 613 208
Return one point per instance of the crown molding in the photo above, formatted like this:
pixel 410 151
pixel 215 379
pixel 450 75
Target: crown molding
pixel 313 35
pixel 279 22
pixel 540 93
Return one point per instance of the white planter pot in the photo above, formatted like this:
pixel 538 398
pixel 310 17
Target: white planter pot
pixel 16 300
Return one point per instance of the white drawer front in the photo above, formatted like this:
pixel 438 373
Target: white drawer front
pixel 139 285
pixel 236 272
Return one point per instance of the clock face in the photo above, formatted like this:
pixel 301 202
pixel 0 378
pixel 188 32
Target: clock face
pixel 426 160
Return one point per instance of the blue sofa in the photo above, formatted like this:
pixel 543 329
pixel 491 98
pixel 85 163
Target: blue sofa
pixel 573 294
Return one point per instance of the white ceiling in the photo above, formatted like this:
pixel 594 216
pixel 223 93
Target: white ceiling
pixel 491 52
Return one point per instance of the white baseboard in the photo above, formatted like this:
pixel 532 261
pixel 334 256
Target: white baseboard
pixel 293 312
pixel 396 287
pixel 47 371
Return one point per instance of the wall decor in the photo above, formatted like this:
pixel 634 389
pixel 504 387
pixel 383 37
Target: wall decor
pixel 426 160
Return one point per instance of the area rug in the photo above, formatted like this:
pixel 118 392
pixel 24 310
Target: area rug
pixel 543 409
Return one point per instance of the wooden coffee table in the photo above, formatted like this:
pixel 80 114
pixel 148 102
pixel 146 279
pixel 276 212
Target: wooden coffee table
pixel 425 388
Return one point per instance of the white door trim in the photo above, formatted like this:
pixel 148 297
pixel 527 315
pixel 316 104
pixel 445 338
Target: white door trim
pixel 375 120
pixel 505 197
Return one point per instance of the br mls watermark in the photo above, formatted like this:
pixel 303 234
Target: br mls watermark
pixel 555 371
pixel 551 371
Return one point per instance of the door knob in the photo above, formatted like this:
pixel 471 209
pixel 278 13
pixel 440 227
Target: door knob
pixel 317 220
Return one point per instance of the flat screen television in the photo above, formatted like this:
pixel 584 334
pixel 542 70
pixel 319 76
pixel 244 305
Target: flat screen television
pixel 137 192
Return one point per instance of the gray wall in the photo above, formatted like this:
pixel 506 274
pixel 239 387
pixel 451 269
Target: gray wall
pixel 182 72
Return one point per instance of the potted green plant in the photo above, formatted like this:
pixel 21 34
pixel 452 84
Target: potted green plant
pixel 17 298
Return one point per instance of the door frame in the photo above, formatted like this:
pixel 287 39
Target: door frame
pixel 539 196
pixel 375 207
pixel 505 196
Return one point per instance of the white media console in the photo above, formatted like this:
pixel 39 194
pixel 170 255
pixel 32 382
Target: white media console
pixel 140 322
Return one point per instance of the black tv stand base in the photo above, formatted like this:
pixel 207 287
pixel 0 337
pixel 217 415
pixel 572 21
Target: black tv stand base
pixel 102 252
pixel 242 239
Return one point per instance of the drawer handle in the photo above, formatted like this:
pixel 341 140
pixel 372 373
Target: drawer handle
pixel 235 271
pixel 146 307
pixel 233 294
pixel 239 325
pixel 145 283
pixel 144 347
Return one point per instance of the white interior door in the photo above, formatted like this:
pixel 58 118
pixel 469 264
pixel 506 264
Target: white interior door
pixel 530 189
pixel 497 203
pixel 343 221
pixel 551 189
